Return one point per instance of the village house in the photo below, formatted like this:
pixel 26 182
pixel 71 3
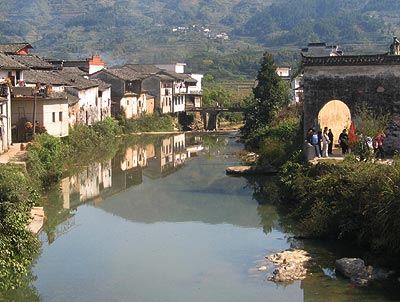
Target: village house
pixel 34 106
pixel 127 93
pixel 42 102
pixel 50 97
pixel 158 85
pixel 143 88
pixel 320 49
pixel 104 99
pixel 191 89
pixel 11 72
pixel 178 91
pixel 87 109
pixel 161 86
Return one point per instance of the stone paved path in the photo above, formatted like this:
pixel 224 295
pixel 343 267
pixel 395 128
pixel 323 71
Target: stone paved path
pixel 14 154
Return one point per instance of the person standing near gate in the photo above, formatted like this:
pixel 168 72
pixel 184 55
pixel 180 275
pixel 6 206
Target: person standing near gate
pixel 315 141
pixel 325 142
pixel 330 145
pixel 344 141
pixel 380 153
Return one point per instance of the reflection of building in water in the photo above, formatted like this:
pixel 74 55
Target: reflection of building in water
pixel 98 181
pixel 170 155
pixel 65 192
pixel 134 157
pixel 86 185
pixel 130 159
pixel 194 145
pixel 89 182
pixel 107 175
pixel 142 157
pixel 166 152
pixel 126 175
pixel 180 153
pixel 150 150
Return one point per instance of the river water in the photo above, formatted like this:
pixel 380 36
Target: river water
pixel 163 222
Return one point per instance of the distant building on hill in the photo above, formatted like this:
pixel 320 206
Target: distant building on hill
pixel 321 50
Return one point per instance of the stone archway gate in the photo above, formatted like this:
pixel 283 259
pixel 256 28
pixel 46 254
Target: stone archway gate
pixel 370 79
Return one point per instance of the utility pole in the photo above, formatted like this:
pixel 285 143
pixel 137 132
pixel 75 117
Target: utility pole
pixel 35 93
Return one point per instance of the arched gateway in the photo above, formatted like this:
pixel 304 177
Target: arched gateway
pixel 334 86
pixel 336 116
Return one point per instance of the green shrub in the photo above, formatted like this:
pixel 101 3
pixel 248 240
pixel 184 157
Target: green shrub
pixel 18 248
pixel 353 200
pixel 46 156
pixel 107 129
pixel 101 137
pixel 149 123
pixel 280 141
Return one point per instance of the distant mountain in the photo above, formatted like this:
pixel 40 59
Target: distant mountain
pixel 222 37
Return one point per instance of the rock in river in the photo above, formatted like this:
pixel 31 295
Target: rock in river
pixel 291 265
pixel 360 274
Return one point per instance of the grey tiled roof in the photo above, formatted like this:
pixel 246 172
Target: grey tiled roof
pixel 124 73
pixel 31 61
pixel 44 76
pixel 72 99
pixel 13 47
pixel 145 69
pixel 102 85
pixel 379 59
pixel 165 77
pixel 175 75
pixel 75 78
pixel 7 63
pixel 189 79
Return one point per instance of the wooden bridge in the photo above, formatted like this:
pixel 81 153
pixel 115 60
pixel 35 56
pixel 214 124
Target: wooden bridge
pixel 209 114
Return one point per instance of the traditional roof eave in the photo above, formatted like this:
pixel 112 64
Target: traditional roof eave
pixel 122 73
pixel 32 61
pixel 7 63
pixel 378 59
pixel 14 48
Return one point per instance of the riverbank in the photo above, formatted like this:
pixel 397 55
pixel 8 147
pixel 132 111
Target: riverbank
pixel 17 154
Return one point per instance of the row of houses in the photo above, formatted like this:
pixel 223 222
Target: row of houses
pixel 38 94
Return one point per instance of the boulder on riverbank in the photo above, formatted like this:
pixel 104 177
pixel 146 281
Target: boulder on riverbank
pixel 360 274
pixel 291 265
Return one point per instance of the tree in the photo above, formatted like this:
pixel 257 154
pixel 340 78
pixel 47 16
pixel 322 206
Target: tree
pixel 270 95
pixel 18 247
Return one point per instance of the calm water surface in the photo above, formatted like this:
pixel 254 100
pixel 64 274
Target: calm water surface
pixel 163 222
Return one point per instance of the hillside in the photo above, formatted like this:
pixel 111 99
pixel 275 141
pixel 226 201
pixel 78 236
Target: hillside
pixel 225 38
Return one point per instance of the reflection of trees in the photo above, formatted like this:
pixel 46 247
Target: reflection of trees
pixel 56 214
pixel 266 193
pixel 24 292
pixel 213 144
pixel 268 217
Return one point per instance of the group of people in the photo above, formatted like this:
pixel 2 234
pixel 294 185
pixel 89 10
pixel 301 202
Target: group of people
pixel 322 141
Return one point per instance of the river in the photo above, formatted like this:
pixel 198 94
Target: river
pixel 163 222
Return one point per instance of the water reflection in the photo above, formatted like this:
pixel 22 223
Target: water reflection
pixel 163 198
pixel 164 206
